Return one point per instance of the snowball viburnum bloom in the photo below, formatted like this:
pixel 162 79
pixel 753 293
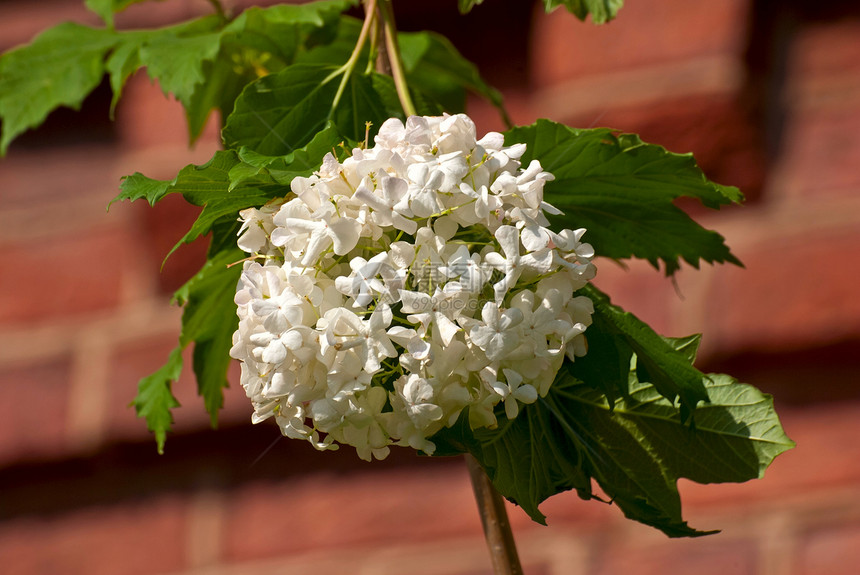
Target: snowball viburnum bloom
pixel 395 289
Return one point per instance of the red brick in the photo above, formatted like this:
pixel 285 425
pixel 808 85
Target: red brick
pixel 826 51
pixel 834 551
pixel 32 410
pixel 148 118
pixel 639 289
pixel 135 538
pixel 323 511
pixel 795 291
pixel 717 555
pixel 821 152
pixel 72 178
pixel 712 127
pixel 70 275
pixel 163 225
pixel 644 33
pixel 136 360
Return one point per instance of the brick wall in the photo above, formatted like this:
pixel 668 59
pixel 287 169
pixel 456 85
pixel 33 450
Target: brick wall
pixel 766 95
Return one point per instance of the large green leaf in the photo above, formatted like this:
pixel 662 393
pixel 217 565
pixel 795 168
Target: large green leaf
pixel 282 169
pixel 208 186
pixel 282 112
pixel 59 68
pixel 658 361
pixel 466 6
pixel 176 56
pixel 606 366
pixel 260 41
pixel 209 320
pixel 437 74
pixel 435 68
pixel 601 11
pixel 229 183
pixel 107 8
pixel 177 61
pixel 635 447
pixel 155 399
pixel 622 190
pixel 209 317
pixel 282 30
pixel 204 62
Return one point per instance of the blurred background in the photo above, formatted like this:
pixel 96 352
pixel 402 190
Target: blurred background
pixel 765 93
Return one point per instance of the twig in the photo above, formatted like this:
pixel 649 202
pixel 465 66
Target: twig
pixel 346 69
pixel 381 63
pixel 393 50
pixel 494 517
pixel 219 9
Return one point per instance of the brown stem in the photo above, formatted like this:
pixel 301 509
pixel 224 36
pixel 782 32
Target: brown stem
pixel 497 528
pixel 378 49
pixel 219 9
pixel 397 72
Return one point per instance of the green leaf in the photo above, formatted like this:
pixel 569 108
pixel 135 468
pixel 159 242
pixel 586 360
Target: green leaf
pixel 466 6
pixel 175 56
pixel 208 186
pixel 209 320
pixel 155 400
pixel 122 63
pixel 260 41
pixel 59 68
pixel 282 169
pixel 229 183
pixel 104 8
pixel 601 11
pixel 435 67
pixel 107 8
pixel 635 448
pixel 659 362
pixel 139 187
pixel 621 190
pixel 606 366
pixel 335 45
pixel 179 57
pixel 282 30
pixel 224 82
pixel 282 112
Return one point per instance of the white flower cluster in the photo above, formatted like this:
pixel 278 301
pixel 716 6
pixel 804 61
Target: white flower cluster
pixel 389 292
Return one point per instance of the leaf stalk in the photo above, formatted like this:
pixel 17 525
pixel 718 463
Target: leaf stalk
pixel 346 69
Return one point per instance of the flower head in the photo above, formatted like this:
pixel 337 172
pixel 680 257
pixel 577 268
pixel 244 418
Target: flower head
pixel 397 287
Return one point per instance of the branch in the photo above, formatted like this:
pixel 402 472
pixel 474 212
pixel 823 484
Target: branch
pixel 219 9
pixel 494 517
pixel 346 69
pixel 394 58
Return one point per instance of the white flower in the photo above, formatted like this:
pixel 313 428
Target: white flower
pixel 365 311
pixel 512 390
pixel 323 229
pixel 513 264
pixel 257 226
pixel 473 274
pixel 390 205
pixel 496 335
pixel 433 310
pixel 362 284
